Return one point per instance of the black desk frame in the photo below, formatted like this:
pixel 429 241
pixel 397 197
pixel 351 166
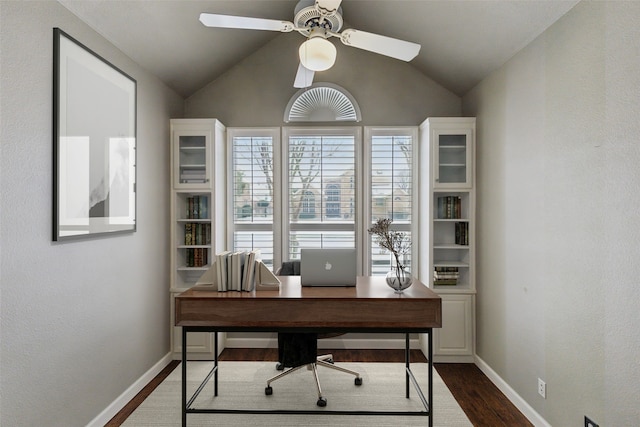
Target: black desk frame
pixel 186 405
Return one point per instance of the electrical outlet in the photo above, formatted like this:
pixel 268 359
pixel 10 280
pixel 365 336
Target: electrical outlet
pixel 542 389
pixel 589 423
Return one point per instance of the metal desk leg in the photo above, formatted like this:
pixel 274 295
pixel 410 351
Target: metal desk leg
pixel 428 400
pixel 430 385
pixel 215 363
pixel 184 377
pixel 407 357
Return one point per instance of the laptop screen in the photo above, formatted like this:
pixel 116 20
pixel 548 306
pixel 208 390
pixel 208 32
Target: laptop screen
pixel 328 267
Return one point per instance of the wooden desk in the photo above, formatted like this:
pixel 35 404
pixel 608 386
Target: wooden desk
pixel 370 306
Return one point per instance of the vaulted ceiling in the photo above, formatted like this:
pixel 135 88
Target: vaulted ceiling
pixel 462 41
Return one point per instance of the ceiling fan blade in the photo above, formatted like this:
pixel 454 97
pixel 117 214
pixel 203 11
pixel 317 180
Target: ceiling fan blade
pixel 383 45
pixel 304 77
pixel 244 22
pixel 328 5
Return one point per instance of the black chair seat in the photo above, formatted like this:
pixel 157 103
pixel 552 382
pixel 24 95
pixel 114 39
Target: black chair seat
pixel 296 350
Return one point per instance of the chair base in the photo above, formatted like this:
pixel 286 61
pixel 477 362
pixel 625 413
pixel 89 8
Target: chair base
pixel 324 360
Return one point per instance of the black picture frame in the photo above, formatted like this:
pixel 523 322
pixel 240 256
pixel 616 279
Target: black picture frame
pixel 94 143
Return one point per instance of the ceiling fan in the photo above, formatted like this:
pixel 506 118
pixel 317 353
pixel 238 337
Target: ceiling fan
pixel 318 20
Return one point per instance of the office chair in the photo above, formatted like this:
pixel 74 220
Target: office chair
pixel 298 350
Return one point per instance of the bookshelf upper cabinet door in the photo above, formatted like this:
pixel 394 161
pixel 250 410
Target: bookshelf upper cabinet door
pixel 452 156
pixel 192 159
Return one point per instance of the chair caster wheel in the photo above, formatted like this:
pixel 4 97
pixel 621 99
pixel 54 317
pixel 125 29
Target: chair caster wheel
pixel 358 381
pixel 280 366
pixel 322 402
pixel 268 390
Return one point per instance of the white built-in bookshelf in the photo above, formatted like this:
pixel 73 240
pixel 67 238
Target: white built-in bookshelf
pixel 447 201
pixel 198 161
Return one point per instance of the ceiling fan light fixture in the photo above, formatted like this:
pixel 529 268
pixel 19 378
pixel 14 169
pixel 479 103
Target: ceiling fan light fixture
pixel 317 54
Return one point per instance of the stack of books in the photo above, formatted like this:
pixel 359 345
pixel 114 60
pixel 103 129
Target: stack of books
pixel 445 276
pixel 235 271
pixel 238 271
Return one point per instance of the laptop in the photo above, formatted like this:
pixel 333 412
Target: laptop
pixel 328 267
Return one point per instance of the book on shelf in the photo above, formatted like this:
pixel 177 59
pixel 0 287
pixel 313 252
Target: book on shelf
pixel 449 207
pixel 197 233
pixel 445 282
pixel 202 235
pixel 196 257
pixel 254 275
pixel 445 275
pixel 188 234
pixel 462 233
pixel 198 207
pixel 203 207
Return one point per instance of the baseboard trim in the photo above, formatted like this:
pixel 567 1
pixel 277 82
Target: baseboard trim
pixel 438 358
pixel 334 343
pixel 121 401
pixel 526 409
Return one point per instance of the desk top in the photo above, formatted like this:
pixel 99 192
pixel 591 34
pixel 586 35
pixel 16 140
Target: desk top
pixel 370 305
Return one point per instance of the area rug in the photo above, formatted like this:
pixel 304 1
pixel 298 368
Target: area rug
pixel 242 386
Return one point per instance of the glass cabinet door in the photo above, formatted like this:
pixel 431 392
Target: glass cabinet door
pixel 452 155
pixel 193 168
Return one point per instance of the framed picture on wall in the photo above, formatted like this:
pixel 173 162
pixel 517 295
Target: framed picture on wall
pixel 94 143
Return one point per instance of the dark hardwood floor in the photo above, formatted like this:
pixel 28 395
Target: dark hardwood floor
pixel 483 403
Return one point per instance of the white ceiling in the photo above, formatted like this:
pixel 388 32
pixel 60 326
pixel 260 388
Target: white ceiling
pixel 462 41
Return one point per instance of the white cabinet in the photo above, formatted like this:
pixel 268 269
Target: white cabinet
pixel 454 342
pixel 197 210
pixel 452 153
pixel 447 230
pixel 193 144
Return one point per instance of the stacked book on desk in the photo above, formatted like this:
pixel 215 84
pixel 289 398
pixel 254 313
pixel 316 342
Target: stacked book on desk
pixel 445 276
pixel 238 271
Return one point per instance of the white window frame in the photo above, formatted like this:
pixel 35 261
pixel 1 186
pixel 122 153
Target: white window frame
pixel 363 181
pixel 274 133
pixel 288 132
pixel 412 227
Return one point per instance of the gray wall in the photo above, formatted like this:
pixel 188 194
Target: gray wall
pixel 256 91
pixel 80 321
pixel 558 225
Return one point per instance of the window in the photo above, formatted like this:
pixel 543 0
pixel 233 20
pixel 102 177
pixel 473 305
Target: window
pixel 321 163
pixel 319 187
pixel 251 190
pixel 390 162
